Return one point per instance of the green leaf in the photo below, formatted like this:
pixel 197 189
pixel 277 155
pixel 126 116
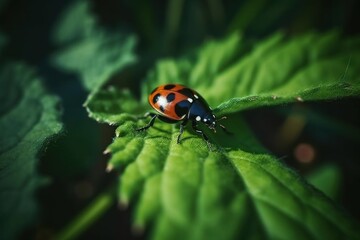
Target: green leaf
pixel 109 104
pixel 312 67
pixel 275 71
pixel 91 52
pixel 238 190
pixel 75 23
pixel 29 117
pixel 327 178
pixel 191 193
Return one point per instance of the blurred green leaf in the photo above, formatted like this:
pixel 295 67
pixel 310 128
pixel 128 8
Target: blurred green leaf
pixel 92 52
pixel 29 117
pixel 246 14
pixel 236 191
pixel 96 59
pixel 327 178
pixel 75 24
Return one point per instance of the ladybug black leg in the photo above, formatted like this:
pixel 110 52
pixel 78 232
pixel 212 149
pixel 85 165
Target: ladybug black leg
pixel 146 115
pixel 200 132
pixel 150 124
pixel 182 125
pixel 224 129
pixel 222 126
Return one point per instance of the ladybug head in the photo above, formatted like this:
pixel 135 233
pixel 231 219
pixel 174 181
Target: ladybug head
pixel 210 121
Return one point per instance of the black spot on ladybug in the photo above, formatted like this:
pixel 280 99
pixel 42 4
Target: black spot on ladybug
pixel 187 92
pixel 182 108
pixel 169 86
pixel 170 97
pixel 156 98
pixel 162 109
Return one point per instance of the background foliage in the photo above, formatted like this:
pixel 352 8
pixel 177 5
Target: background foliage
pixel 273 52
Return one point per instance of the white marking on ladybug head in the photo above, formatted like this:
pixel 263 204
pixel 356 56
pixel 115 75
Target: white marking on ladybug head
pixel 190 100
pixel 196 96
pixel 198 118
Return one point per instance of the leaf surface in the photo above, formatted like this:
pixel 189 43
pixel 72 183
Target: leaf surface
pixel 238 190
pixel 275 71
pixel 328 179
pixel 89 50
pixel 29 117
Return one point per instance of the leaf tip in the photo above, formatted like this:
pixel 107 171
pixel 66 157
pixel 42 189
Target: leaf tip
pixel 107 151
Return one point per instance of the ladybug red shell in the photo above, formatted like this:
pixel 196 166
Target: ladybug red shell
pixel 175 102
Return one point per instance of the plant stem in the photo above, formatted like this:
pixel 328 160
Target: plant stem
pixel 88 216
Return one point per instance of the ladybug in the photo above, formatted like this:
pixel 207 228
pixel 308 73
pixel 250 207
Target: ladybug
pixel 175 102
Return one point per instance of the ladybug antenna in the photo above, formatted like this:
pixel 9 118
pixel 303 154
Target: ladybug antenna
pixel 222 118
pixel 222 126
